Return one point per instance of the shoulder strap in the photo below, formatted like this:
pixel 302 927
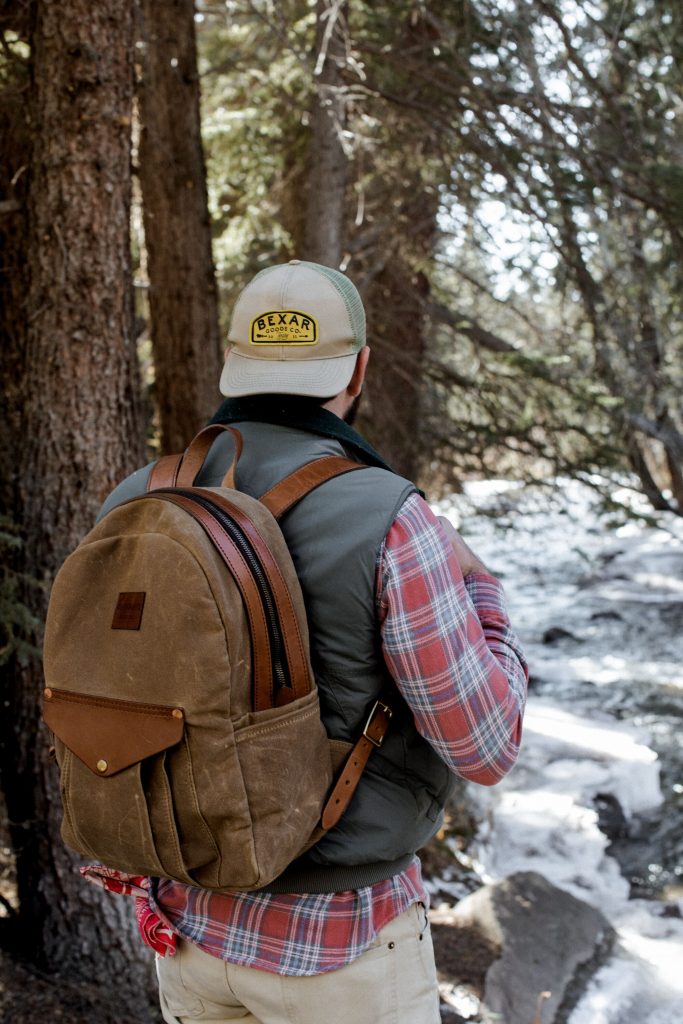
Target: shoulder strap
pixel 288 492
pixel 182 471
pixel 279 500
pixel 354 766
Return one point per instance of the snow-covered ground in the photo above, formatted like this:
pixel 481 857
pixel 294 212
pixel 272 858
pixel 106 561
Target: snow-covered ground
pixel 599 606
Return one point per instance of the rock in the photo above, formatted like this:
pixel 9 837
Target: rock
pixel 555 633
pixel 611 818
pixel 519 938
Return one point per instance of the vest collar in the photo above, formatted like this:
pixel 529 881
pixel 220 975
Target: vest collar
pixel 301 414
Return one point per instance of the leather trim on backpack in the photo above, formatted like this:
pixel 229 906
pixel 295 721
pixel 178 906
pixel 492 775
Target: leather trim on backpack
pixel 296 653
pixel 288 492
pixel 107 734
pixel 263 693
pixel 164 472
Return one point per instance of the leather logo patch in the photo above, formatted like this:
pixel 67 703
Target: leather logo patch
pixel 128 611
pixel 284 327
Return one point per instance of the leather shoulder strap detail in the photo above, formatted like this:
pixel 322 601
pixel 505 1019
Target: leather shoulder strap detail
pixel 288 492
pixel 164 472
pixel 198 449
pixel 345 786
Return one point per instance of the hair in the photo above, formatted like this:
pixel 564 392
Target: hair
pixel 295 403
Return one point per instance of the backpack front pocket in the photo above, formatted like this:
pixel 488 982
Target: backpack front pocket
pixel 107 749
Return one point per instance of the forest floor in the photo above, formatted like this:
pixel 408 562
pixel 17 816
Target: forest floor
pixel 25 994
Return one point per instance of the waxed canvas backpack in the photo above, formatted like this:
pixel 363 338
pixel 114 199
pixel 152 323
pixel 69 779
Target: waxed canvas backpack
pixel 179 688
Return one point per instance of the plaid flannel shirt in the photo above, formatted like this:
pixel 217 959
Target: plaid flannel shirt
pixel 449 646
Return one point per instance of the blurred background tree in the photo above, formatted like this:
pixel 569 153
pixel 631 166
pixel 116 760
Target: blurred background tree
pixel 183 310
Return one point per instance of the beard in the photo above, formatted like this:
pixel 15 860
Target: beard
pixel 352 412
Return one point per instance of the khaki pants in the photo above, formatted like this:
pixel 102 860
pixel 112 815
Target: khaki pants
pixel 393 982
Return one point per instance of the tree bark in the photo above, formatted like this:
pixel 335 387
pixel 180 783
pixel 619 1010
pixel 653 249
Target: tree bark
pixel 400 229
pixel 183 299
pixel 14 160
pixel 80 433
pixel 324 231
pixel 395 302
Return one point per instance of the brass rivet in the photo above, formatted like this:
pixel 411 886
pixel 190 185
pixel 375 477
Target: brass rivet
pixel 47 692
pixel 177 713
pixel 102 765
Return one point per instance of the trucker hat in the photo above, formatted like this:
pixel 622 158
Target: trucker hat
pixel 296 329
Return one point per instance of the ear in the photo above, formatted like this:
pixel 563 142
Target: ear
pixel 355 385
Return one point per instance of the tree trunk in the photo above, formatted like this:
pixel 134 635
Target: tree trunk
pixel 392 417
pixel 396 293
pixel 80 434
pixel 393 242
pixel 328 162
pixel 183 300
pixel 14 160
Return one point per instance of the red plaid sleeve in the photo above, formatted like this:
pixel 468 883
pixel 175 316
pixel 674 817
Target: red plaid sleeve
pixel 449 645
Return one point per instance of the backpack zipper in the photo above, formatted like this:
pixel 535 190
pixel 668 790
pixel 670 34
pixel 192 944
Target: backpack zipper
pixel 237 535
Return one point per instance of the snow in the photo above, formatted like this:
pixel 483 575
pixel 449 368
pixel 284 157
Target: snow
pixel 608 589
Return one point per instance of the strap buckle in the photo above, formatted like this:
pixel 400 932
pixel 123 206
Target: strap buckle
pixel 380 726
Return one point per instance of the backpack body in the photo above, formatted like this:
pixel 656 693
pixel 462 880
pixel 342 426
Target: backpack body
pixel 180 693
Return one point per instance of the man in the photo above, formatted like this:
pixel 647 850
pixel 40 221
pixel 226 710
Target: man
pixel 397 603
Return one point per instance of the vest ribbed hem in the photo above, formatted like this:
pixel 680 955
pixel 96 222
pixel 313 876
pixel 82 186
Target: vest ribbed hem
pixel 323 878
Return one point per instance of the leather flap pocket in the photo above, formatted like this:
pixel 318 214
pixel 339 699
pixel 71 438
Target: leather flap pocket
pixel 109 735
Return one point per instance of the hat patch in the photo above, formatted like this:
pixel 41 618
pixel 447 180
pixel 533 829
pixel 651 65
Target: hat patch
pixel 284 327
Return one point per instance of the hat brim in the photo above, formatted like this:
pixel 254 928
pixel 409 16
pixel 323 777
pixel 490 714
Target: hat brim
pixel 318 378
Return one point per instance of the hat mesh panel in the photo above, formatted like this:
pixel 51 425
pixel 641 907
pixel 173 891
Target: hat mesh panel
pixel 352 300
